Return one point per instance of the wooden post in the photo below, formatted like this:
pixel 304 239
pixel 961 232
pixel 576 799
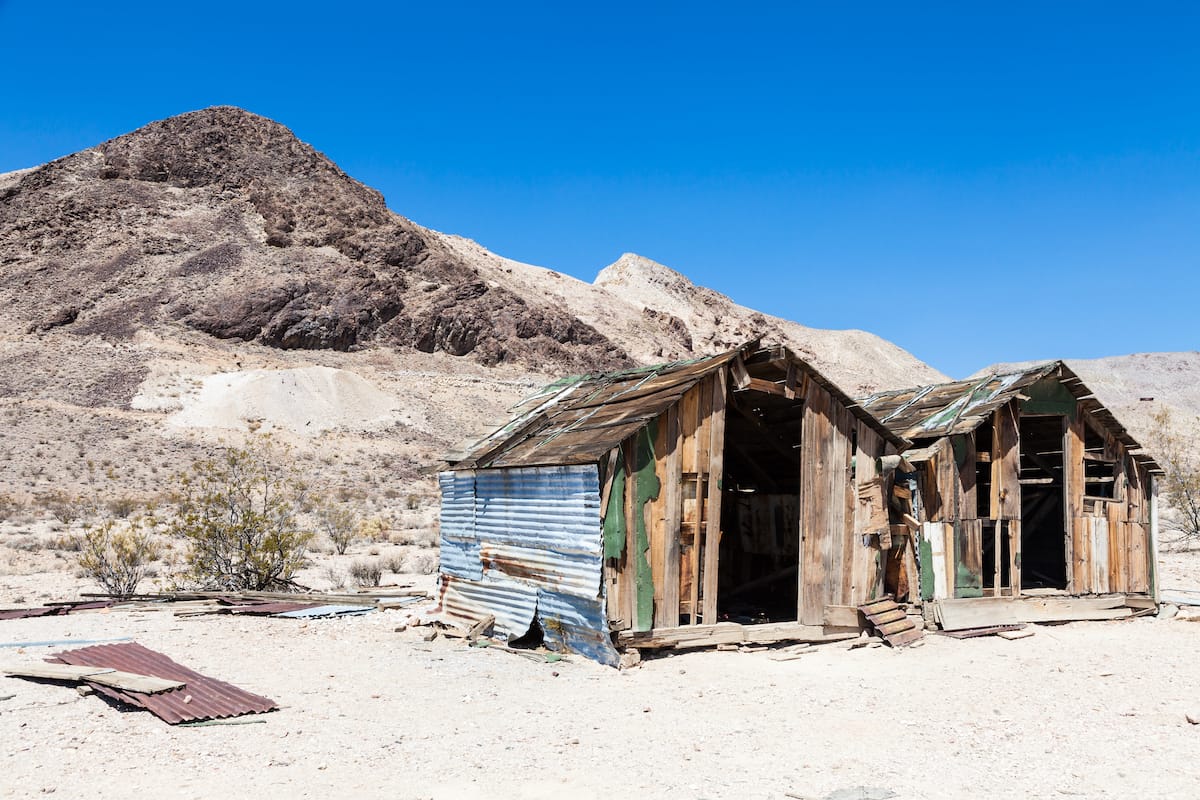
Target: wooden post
pixel 712 531
pixel 667 613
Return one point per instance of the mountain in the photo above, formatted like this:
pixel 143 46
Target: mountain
pixel 210 275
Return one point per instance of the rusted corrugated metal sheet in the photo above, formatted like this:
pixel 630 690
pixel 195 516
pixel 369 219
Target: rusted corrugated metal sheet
pixel 532 550
pixel 201 697
pixel 54 609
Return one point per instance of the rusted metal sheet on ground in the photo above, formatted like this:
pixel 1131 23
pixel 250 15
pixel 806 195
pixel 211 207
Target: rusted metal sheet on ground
pixel 201 697
pixel 54 609
pixel 319 612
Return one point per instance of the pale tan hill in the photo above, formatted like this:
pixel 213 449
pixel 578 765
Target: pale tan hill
pixel 1134 387
pixel 655 313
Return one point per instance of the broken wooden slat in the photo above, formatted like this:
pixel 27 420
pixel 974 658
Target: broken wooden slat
pixel 983 612
pixel 127 681
pixel 687 636
pixel 891 622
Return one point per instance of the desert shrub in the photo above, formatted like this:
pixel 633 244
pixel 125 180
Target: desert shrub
pixel 366 573
pixel 421 564
pixel 10 505
pixel 67 543
pixel 238 514
pixel 374 529
pixel 336 578
pixel 117 554
pixel 340 523
pixel 395 564
pixel 66 507
pixel 122 507
pixel 1180 482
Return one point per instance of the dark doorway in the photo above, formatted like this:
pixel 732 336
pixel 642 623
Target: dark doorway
pixel 760 509
pixel 1043 529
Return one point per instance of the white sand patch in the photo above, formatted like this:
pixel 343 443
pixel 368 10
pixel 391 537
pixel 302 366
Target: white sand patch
pixel 305 400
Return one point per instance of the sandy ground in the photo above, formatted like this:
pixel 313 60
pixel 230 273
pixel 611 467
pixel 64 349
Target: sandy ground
pixel 1093 710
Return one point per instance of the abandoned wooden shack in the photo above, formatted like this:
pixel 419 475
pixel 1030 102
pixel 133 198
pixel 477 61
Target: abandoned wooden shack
pixel 1023 486
pixel 734 498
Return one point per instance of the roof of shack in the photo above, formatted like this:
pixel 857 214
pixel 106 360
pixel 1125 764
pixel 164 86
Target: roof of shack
pixel 578 419
pixel 943 409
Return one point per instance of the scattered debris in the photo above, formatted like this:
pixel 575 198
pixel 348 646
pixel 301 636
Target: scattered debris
pixel 991 630
pixel 201 698
pixel 792 652
pixel 891 621
pixel 630 658
pixel 1024 633
pixel 55 609
pixel 1193 717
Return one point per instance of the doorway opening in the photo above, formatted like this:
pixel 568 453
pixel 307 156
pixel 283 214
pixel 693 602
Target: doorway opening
pixel 760 509
pixel 1043 527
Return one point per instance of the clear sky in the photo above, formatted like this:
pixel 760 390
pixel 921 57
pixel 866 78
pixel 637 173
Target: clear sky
pixel 977 182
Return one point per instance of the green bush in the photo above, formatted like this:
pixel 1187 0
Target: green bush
pixel 238 514
pixel 116 555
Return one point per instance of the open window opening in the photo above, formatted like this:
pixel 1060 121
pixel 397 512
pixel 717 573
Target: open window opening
pixel 1043 530
pixel 760 509
pixel 1099 471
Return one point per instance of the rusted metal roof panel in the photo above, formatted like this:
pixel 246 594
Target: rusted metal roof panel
pixel 200 698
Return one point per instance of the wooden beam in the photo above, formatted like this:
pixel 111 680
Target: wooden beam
pixel 126 681
pixel 712 531
pixel 688 636
pixel 668 614
pixel 767 387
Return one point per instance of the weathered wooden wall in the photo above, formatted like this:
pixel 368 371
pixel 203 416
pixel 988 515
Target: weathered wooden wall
pixel 840 562
pixel 665 575
pixel 1107 540
pixel 1109 537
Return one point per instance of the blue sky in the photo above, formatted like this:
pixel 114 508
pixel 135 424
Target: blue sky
pixel 976 182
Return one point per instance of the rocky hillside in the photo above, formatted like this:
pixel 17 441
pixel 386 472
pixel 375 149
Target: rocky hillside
pixel 224 222
pixel 210 275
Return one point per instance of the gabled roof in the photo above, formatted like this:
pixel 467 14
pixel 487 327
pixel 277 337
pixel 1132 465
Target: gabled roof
pixel 942 409
pixel 579 419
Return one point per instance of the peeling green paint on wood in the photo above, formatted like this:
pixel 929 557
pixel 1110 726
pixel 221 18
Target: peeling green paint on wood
pixel 648 487
pixel 1048 396
pixel 926 557
pixel 614 515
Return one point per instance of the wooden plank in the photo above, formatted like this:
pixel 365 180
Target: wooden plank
pixel 737 368
pixel 985 612
pixel 935 534
pixel 666 614
pixel 968 558
pixel 609 473
pixel 816 431
pixel 1006 462
pixel 869 517
pixel 656 517
pixel 126 681
pixel 1078 577
pixel 712 530
pixel 966 472
pixel 689 636
pixel 1099 555
pixel 1012 529
pixel 842 616
pixel 767 387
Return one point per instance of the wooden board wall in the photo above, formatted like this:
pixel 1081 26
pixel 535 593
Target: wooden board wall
pixel 839 565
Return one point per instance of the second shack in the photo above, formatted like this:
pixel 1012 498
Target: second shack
pixel 733 498
pixel 1025 487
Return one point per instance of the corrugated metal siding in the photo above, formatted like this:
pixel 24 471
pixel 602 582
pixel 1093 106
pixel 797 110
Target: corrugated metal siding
pixel 459 545
pixel 202 697
pixel 532 546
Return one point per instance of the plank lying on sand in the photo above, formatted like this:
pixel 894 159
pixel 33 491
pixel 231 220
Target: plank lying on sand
pixel 961 614
pixel 128 681
pixel 732 633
